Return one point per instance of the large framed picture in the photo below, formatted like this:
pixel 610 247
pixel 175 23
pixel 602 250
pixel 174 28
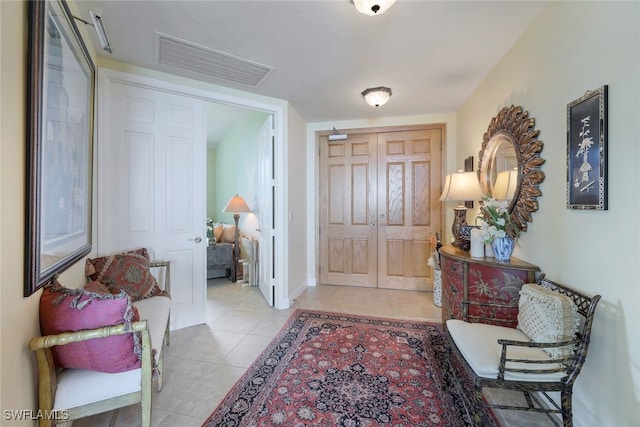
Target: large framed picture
pixel 60 93
pixel 587 151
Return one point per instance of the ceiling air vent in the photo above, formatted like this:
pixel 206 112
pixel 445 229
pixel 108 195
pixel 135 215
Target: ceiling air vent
pixel 210 62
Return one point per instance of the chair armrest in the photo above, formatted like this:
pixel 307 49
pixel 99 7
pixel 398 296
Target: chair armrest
pixel 562 361
pixel 64 338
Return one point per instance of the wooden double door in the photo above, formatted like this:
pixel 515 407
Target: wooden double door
pixel 378 207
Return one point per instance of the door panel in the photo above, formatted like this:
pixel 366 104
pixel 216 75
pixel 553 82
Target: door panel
pixel 409 172
pixel 266 196
pixel 151 186
pixel 348 232
pixel 378 206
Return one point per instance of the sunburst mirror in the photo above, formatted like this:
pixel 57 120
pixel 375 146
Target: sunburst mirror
pixel 510 161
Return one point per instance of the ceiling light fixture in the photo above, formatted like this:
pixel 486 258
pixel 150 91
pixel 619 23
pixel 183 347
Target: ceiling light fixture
pixel 97 24
pixel 372 7
pixel 377 96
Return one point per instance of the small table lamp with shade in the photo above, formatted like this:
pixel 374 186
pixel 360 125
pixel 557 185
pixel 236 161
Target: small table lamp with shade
pixel 460 187
pixel 236 205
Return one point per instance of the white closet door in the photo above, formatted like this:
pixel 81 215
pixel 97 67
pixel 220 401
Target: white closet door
pixel 151 175
pixel 266 195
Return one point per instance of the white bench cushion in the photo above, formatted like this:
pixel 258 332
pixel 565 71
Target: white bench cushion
pixel 478 344
pixel 78 387
pixel 155 311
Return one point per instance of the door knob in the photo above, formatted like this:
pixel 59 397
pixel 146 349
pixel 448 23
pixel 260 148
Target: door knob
pixel 197 240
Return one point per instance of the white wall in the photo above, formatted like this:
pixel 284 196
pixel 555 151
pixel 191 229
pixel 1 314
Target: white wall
pixel 574 47
pixel 236 170
pixel 297 215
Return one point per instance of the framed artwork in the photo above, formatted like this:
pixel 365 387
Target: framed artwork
pixel 60 94
pixel 587 151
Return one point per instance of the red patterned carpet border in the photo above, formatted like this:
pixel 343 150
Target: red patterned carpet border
pixel 330 369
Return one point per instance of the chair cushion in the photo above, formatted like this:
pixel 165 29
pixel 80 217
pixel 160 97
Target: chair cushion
pixel 77 387
pixel 127 272
pixel 155 311
pixel 547 316
pixel 478 344
pixel 70 310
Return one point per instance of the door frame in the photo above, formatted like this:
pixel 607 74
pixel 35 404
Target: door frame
pixel 399 128
pixel 207 92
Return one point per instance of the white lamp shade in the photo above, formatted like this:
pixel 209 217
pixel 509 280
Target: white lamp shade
pixel 377 96
pixel 236 205
pixel 461 186
pixel 505 186
pixel 373 7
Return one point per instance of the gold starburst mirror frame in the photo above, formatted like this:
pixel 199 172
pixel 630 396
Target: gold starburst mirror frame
pixel 510 161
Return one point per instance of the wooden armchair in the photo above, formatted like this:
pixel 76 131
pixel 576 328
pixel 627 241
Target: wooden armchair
pixel 490 356
pixel 69 394
pixel 86 363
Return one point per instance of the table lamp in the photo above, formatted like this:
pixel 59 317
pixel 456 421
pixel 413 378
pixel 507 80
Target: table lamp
pixel 460 187
pixel 236 206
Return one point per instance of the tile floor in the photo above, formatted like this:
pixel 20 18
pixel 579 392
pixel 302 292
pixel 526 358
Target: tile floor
pixel 203 362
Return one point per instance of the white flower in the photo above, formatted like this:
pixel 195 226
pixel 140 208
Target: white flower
pixel 495 220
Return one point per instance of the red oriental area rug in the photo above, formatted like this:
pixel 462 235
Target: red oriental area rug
pixel 329 369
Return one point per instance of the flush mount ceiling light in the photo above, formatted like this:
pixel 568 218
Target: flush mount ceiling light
pixel 377 96
pixel 372 7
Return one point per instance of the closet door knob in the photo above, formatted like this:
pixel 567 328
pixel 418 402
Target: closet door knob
pixel 197 240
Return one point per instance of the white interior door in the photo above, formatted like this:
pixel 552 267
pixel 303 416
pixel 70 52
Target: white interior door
pixel 151 153
pixel 266 195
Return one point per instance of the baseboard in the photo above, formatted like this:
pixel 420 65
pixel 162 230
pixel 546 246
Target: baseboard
pixel 298 291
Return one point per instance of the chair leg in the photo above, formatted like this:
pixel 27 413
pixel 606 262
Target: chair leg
pixel 146 411
pixel 567 412
pixel 160 379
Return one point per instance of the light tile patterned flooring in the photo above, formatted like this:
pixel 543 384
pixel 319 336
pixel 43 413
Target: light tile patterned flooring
pixel 203 362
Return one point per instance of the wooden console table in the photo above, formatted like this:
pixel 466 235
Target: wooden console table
pixel 482 289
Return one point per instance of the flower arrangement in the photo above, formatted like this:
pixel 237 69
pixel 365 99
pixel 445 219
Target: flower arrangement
pixel 495 220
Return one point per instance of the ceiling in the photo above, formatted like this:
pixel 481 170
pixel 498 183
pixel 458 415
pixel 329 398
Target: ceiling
pixel 324 53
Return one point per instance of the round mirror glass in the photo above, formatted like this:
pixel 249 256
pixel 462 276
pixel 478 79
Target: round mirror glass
pixel 500 176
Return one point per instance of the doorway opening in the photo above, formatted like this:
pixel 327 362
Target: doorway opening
pixel 234 150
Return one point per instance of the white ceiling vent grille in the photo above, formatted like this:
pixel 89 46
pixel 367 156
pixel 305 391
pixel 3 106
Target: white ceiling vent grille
pixel 210 62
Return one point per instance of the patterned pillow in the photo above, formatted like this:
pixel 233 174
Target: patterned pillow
pixel 70 310
pixel 547 316
pixel 127 272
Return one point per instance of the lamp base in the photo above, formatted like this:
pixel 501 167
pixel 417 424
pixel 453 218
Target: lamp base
pixel 459 221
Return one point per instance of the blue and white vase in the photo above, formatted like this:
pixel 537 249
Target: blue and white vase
pixel 503 248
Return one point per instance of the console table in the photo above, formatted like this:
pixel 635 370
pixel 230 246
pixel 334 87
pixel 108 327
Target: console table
pixel 482 289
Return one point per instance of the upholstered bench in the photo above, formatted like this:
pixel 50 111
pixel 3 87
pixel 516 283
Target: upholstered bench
pixel 107 333
pixel 545 353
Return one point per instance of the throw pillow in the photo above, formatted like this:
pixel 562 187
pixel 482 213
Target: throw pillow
pixel 69 310
pixel 228 233
pixel 217 232
pixel 546 316
pixel 127 272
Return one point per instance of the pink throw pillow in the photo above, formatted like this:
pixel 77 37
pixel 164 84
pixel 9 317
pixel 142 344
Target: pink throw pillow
pixel 70 310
